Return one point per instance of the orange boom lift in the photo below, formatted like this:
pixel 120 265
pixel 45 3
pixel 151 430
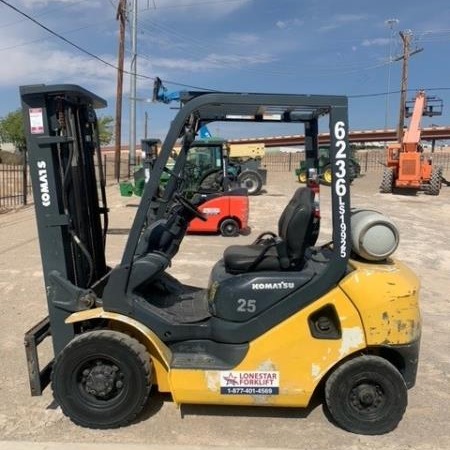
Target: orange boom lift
pixel 407 167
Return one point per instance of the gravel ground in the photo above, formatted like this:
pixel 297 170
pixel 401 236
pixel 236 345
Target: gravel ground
pixel 425 245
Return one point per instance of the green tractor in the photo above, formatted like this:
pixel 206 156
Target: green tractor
pixel 325 170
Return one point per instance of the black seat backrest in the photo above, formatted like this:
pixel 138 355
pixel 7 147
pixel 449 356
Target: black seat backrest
pixel 163 235
pixel 296 224
pixel 151 238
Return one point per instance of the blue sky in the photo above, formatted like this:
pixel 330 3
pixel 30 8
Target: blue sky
pixel 287 46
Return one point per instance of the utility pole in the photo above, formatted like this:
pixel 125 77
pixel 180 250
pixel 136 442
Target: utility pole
pixel 406 39
pixel 146 125
pixel 121 17
pixel 133 70
pixel 390 23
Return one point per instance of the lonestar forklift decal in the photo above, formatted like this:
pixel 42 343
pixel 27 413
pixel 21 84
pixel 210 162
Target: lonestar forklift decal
pixel 249 383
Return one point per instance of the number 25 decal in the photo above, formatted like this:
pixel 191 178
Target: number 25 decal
pixel 246 306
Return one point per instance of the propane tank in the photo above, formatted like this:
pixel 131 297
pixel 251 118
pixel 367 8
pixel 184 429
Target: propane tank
pixel 374 236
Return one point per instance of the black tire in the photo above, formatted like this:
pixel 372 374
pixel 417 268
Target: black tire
pixel 435 183
pixel 302 178
pixel 354 170
pixel 229 228
pixel 387 182
pixel 366 395
pixel 327 175
pixel 250 180
pixel 102 379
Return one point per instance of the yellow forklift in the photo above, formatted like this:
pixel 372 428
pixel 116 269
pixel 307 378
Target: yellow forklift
pixel 282 319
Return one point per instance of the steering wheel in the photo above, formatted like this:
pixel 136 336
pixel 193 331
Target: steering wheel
pixel 191 208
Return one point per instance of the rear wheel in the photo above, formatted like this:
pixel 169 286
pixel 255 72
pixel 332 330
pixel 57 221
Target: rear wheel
pixel 302 177
pixel 387 182
pixel 102 379
pixel 366 395
pixel 250 180
pixel 229 228
pixel 354 169
pixel 327 175
pixel 434 186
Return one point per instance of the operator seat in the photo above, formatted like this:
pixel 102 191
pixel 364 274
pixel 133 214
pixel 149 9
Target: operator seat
pixel 163 235
pixel 297 229
pixel 158 244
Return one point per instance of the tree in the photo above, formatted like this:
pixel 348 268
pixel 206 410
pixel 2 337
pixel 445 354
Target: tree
pixel 11 129
pixel 105 129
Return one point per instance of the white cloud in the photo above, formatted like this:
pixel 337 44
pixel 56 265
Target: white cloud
pixel 376 41
pixel 43 64
pixel 340 20
pixel 282 24
pixel 242 39
pixel 211 9
pixel 30 55
pixel 211 62
pixel 348 18
pixel 42 3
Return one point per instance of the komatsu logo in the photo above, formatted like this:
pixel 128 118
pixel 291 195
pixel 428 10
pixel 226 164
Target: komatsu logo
pixel 43 183
pixel 280 285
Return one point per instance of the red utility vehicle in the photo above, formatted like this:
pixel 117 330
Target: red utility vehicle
pixel 226 212
pixel 214 191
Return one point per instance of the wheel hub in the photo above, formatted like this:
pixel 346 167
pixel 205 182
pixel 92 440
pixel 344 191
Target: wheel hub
pixel 249 183
pixel 101 379
pixel 366 397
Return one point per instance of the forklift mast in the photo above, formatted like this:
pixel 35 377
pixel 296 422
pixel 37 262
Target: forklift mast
pixel 69 190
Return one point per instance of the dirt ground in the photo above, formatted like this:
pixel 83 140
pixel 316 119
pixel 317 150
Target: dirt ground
pixel 424 224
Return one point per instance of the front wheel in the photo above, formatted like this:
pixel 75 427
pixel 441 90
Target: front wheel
pixel 302 178
pixel 387 182
pixel 366 395
pixel 229 228
pixel 102 379
pixel 327 175
pixel 435 183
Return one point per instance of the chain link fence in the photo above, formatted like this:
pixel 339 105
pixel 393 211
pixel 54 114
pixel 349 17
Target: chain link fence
pixel 15 187
pixel 370 160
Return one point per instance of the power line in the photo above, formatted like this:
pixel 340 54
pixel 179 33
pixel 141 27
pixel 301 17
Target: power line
pixel 189 5
pixel 59 36
pixel 74 30
pixel 44 13
pixel 197 50
pixel 176 83
pixel 382 94
pixel 92 55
